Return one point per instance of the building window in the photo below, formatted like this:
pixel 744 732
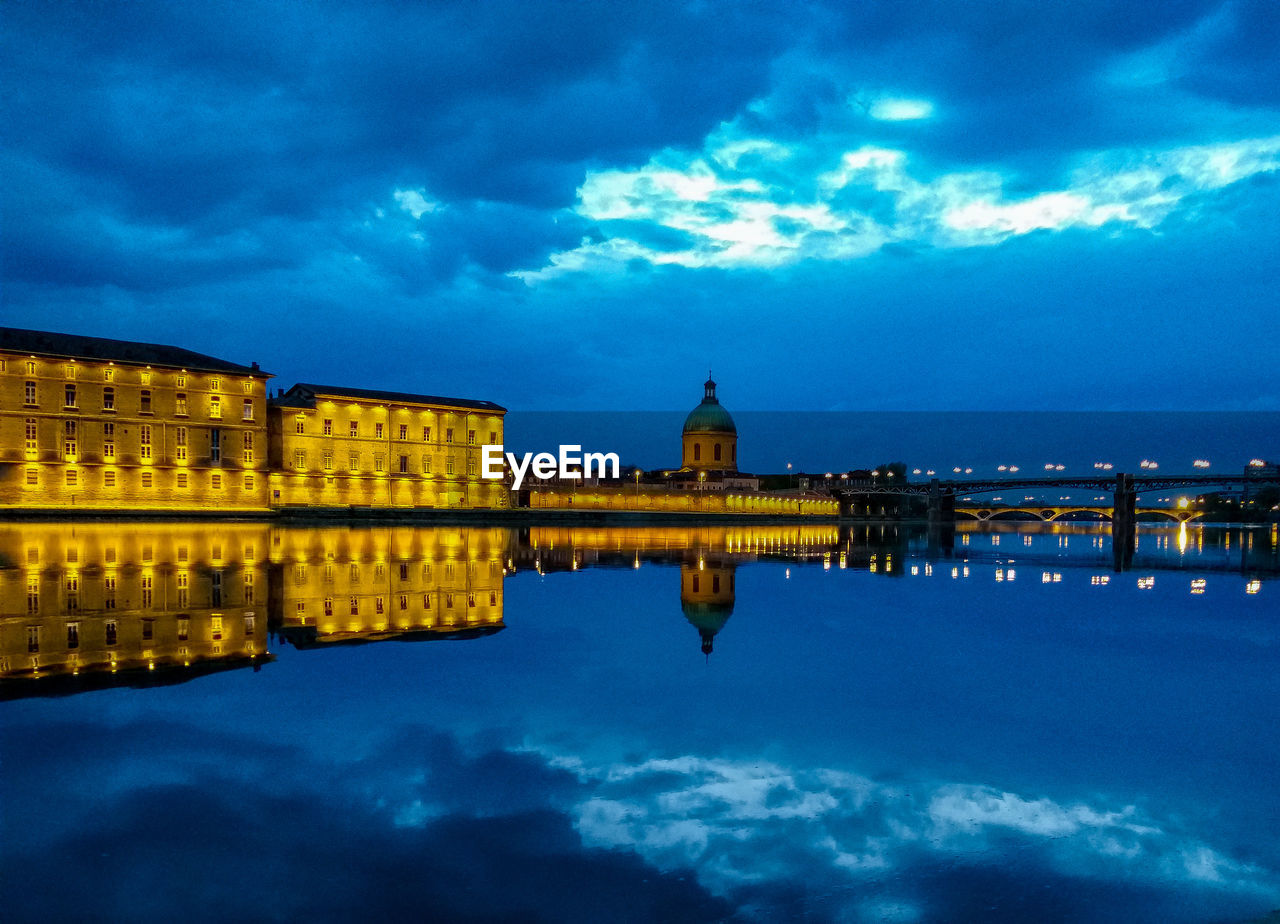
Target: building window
pixel 181 380
pixel 69 440
pixel 328 460
pixel 33 639
pixel 378 605
pixel 426 465
pixel 717 452
pixel 180 404
pixel 110 627
pixel 448 467
pixel 215 407
pixel 33 476
pixel 73 635
pixel 247 412
pixel 250 624
pixel 377 431
pixel 404 431
pixel 493 437
pixel 471 467
pixel 182 479
pixel 300 424
pixel 109 441
pixel 248 482
pixel 215 624
pixel 471 437
pixel 215 445
pixel 448 435
pixel 108 374
pixel 379 462
pixel 108 398
pixel 109 479
pixel 184 628
pixel 146 479
pixel 31 367
pixel 145 377
pixel 248 449
pixel 71 396
pixel 71 478
pixel 299 459
pixel 30 397
pixel 355 461
pixel 148 625
pixel 144 401
pixel 215 384
pixel 404 465
pixel 180 443
pixel 697 452
pixel 32 446
pixel 216 481
pixel 426 434
pixel 355 605
pixel 145 442
pixel 69 370
pixel 354 428
pixel 248 387
pixel 328 427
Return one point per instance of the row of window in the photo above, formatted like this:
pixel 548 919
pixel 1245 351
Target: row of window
pixel 71 401
pixel 70 442
pixel 71 600
pixel 71 478
pixel 379 603
pixel 404 465
pixel 146 556
pixel 111 632
pixel 697 452
pixel 380 571
pixel 72 371
pixel 379 431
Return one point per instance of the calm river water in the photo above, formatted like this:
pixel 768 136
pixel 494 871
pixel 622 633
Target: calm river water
pixel 748 723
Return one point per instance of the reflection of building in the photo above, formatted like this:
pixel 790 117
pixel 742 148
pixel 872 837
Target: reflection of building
pixel 706 597
pixel 338 447
pixel 335 585
pixel 90 604
pixel 89 422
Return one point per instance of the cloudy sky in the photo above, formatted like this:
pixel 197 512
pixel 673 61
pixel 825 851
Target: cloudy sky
pixel 574 205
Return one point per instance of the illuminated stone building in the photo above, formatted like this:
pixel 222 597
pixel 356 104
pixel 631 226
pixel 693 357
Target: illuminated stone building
pixel 334 586
pixel 338 447
pixel 89 604
pixel 709 439
pixel 107 424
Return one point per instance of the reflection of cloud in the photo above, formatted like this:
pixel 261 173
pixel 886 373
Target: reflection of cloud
pixel 426 823
pixel 752 202
pixel 739 823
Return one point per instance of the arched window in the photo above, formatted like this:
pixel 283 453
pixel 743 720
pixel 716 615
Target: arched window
pixel 733 452
pixel 715 583
pixel 717 452
pixel 695 583
pixel 697 452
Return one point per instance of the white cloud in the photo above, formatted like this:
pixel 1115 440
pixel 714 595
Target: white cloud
pixel 415 202
pixel 889 109
pixel 752 202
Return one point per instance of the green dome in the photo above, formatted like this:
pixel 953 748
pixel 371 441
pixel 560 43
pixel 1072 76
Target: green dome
pixel 709 416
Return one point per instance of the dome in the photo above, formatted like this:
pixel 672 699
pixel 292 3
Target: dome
pixel 709 416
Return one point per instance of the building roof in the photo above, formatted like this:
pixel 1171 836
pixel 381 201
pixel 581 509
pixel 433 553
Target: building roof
pixel 77 346
pixel 304 393
pixel 709 416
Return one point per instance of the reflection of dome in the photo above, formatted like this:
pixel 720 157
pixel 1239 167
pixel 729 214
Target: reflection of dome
pixel 706 598
pixel 709 416
pixel 708 619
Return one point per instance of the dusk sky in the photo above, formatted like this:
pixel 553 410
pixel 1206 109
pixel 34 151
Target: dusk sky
pixel 1015 205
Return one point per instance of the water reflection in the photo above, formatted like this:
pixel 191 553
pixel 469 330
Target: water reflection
pixel 90 605
pixel 893 725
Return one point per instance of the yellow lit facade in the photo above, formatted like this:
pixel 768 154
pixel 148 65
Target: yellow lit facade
pixel 658 499
pixel 338 585
pixel 343 447
pixel 104 424
pixel 105 605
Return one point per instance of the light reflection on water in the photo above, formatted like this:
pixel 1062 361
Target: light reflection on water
pixel 774 722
